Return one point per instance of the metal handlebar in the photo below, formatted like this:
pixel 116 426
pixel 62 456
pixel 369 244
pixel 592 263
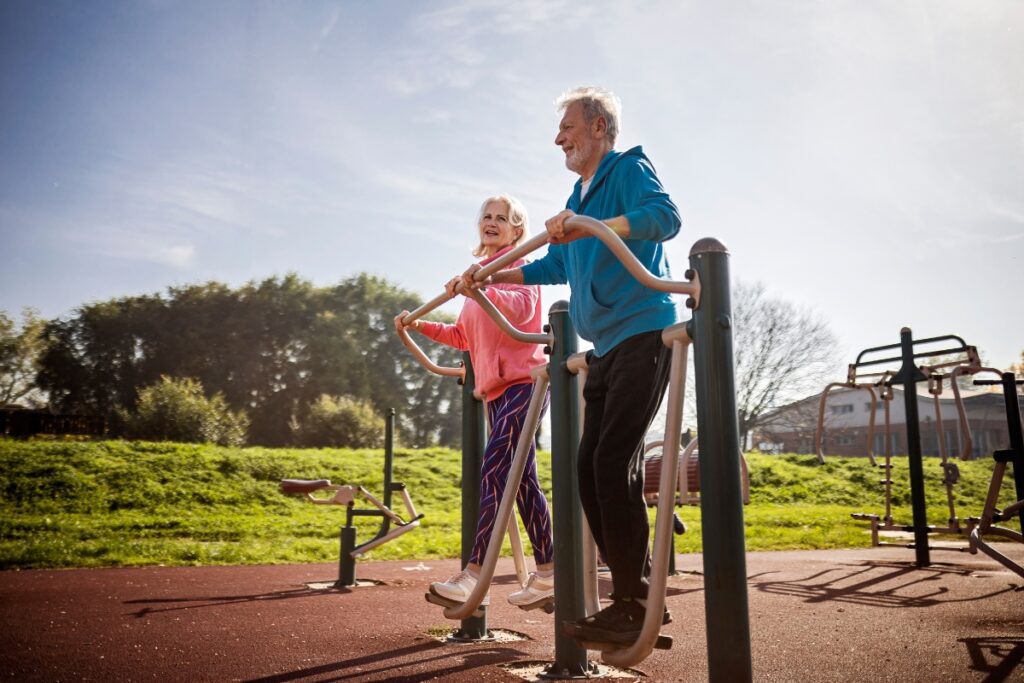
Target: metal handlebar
pixel 593 227
pixel 967 445
pixel 819 433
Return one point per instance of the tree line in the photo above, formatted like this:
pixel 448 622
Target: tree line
pixel 306 366
pixel 271 349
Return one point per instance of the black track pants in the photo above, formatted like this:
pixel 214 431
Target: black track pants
pixel 623 392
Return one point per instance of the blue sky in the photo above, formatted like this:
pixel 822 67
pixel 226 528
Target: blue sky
pixel 863 159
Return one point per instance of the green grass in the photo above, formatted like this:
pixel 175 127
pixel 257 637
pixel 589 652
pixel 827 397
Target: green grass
pixel 113 503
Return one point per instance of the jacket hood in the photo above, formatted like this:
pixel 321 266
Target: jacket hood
pixel 604 168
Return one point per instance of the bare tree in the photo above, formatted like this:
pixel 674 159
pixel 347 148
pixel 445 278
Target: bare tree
pixel 1018 368
pixel 783 352
pixel 793 428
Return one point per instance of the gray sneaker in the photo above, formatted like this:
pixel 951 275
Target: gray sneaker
pixel 537 589
pixel 458 588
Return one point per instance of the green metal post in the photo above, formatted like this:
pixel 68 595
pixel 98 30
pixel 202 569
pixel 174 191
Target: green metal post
pixel 389 456
pixel 909 375
pixel 721 500
pixel 1013 426
pixel 570 658
pixel 346 563
pixel 474 440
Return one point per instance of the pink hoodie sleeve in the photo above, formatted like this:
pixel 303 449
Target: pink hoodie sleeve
pixel 518 303
pixel 450 335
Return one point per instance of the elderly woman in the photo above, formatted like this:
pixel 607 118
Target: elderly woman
pixel 502 368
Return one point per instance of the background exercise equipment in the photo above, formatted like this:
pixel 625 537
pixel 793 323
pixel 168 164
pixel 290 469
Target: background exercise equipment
pixel 1013 455
pixel 346 496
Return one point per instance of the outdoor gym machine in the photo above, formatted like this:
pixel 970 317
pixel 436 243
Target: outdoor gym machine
pixel 471 613
pixel 908 375
pixel 980 527
pixel 346 496
pixel 727 617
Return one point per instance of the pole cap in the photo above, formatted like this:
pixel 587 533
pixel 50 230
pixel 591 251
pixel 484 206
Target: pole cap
pixel 708 245
pixel 560 306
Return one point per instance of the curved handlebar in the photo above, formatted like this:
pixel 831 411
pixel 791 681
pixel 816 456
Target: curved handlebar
pixel 591 226
pixel 820 431
pixel 425 361
pixel 502 322
pixel 965 426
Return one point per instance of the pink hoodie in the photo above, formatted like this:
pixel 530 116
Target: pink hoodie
pixel 498 360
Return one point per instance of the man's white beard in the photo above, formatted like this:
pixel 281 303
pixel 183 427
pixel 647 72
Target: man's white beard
pixel 575 159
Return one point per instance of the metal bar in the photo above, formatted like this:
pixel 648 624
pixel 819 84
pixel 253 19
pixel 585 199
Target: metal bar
pixel 425 361
pixel 346 563
pixel 474 440
pixel 1013 426
pixel 594 228
pixel 515 541
pixel 963 346
pixel 819 433
pixel 909 376
pixel 935 389
pixel 577 364
pixel 389 456
pixel 639 650
pixel 570 659
pixel 725 567
pixel 920 354
pixel 502 322
pixel 508 498
pixel 966 437
pixel 887 397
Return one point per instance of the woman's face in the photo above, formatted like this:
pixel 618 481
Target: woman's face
pixel 496 232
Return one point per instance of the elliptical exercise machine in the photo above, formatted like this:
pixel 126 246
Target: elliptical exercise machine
pixel 727 616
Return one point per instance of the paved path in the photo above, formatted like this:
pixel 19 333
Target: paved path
pixel 851 615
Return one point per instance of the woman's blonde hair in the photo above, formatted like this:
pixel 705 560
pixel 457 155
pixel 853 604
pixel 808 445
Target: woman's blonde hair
pixel 517 218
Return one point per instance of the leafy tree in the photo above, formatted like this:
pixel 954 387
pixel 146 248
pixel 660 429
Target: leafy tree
pixel 339 421
pixel 359 351
pixel 20 350
pixel 178 410
pixel 270 348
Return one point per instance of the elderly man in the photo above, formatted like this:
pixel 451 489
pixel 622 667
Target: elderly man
pixel 628 367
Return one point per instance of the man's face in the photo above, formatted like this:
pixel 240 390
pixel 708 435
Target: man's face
pixel 578 141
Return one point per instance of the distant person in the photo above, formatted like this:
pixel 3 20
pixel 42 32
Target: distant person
pixel 628 366
pixel 501 366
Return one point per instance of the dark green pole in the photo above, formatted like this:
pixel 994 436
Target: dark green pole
pixel 909 375
pixel 721 499
pixel 1013 426
pixel 347 563
pixel 570 658
pixel 474 440
pixel 389 456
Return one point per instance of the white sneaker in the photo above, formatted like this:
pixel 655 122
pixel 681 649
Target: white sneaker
pixel 458 588
pixel 537 589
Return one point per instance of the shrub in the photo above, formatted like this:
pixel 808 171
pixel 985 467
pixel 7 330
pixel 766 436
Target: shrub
pixel 178 410
pixel 339 421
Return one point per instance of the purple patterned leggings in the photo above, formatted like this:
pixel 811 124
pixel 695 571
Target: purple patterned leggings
pixel 507 414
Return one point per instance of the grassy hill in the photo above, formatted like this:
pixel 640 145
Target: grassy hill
pixel 81 504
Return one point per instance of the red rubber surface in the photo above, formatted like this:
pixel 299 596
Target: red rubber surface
pixel 854 615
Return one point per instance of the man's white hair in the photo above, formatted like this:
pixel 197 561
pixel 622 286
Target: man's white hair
pixel 596 102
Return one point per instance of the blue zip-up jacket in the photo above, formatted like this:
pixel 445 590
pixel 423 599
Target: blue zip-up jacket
pixel 607 304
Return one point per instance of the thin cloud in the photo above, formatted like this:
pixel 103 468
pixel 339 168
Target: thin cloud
pixel 328 28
